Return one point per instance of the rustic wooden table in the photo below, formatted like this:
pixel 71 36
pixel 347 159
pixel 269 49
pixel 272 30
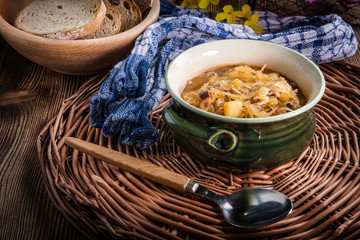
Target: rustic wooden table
pixel 30 95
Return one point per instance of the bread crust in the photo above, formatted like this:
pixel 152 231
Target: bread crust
pixel 125 25
pixel 75 33
pixel 116 21
pixel 144 6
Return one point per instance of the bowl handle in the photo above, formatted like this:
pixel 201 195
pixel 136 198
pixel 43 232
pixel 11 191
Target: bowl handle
pixel 219 139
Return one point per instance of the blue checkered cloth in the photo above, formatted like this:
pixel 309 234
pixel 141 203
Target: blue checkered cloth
pixel 136 85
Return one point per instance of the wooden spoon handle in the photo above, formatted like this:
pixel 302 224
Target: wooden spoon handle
pixel 131 164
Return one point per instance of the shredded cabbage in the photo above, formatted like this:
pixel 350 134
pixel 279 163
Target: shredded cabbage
pixel 244 92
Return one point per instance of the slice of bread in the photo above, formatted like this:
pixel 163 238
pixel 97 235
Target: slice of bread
pixel 110 26
pixel 130 12
pixel 61 19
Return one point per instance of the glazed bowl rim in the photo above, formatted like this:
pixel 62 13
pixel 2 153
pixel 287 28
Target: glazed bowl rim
pixel 307 107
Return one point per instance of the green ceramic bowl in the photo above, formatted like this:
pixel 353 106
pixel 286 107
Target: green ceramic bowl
pixel 247 143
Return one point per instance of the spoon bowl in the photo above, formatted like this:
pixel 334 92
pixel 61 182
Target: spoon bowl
pixel 254 207
pixel 248 208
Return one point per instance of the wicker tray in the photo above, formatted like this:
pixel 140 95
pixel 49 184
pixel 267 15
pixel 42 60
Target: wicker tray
pixel 350 15
pixel 103 201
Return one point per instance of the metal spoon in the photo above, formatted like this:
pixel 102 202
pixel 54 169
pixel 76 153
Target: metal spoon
pixel 248 208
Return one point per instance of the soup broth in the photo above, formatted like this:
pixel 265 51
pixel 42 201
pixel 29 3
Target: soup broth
pixel 243 91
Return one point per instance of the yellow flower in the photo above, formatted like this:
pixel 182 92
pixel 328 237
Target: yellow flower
pixel 245 13
pixel 229 14
pixel 253 20
pixel 190 3
pixel 205 3
pixel 243 17
pixel 247 19
pixel 198 3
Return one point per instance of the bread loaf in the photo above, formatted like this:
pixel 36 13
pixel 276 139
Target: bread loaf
pixel 130 12
pixel 110 26
pixel 61 19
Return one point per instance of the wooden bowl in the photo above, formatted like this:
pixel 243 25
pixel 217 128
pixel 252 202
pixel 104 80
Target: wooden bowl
pixel 70 56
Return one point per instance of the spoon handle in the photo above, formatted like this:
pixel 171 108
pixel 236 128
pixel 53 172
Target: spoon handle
pixel 131 164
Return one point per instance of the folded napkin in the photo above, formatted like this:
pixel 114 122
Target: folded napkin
pixel 136 85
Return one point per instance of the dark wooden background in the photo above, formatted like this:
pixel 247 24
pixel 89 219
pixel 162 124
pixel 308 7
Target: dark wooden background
pixel 30 95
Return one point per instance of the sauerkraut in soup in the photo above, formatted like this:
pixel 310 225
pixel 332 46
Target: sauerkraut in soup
pixel 243 91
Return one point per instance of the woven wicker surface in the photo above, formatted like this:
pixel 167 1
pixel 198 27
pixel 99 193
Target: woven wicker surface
pixel 103 201
pixel 298 8
pixel 304 8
